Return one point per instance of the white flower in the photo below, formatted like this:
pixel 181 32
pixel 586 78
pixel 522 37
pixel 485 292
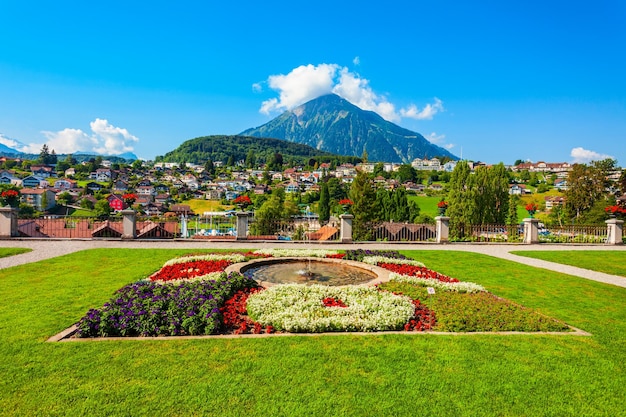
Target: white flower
pixel 282 253
pixel 233 257
pixel 374 260
pixel 462 287
pixel 213 276
pixel 300 308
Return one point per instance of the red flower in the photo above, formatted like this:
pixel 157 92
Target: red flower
pixel 188 270
pixel 611 209
pixel 9 194
pixel 346 202
pixel 442 204
pixel 417 271
pixel 243 200
pixel 531 207
pixel 333 302
pixel 235 314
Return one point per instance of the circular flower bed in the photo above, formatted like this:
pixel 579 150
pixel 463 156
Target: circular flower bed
pixel 192 295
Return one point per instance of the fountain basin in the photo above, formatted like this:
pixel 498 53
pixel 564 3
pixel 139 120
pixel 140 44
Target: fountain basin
pixel 310 270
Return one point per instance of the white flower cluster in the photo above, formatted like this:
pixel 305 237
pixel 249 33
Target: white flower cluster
pixel 213 276
pixel 462 287
pixel 233 257
pixel 374 260
pixel 282 253
pixel 300 308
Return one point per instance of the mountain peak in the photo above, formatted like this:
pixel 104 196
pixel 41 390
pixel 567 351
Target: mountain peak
pixel 331 123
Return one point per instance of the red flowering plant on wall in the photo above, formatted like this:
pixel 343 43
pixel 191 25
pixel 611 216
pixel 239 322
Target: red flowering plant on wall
pixel 10 198
pixel 346 203
pixel 243 201
pixel 531 208
pixel 129 198
pixel 615 210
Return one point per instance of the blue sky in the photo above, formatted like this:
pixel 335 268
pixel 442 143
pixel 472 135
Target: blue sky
pixel 490 80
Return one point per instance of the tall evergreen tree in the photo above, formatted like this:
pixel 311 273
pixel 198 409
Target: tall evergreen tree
pixel 460 205
pixel 324 203
pixel 364 209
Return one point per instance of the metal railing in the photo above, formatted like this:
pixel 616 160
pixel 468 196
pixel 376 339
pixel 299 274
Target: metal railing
pixel 573 234
pixel 401 232
pixel 496 233
pixel 67 227
pixel 299 229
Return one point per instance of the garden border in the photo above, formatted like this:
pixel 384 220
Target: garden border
pixel 66 335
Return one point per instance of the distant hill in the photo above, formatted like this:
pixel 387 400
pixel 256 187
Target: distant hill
pixel 223 147
pixel 333 124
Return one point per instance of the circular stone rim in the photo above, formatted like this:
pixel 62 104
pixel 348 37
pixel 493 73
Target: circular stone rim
pixel 382 275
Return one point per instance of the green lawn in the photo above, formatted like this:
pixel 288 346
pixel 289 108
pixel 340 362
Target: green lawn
pixel 369 375
pixel 427 205
pixel 609 262
pixel 4 252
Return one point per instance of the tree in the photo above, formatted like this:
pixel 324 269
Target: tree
pixel 406 173
pixel 512 218
pixel 460 205
pixel 482 198
pixel 586 186
pixel 250 159
pixel 102 208
pixel 268 217
pixel 324 204
pixel 364 206
pixel 209 167
pixel 46 157
pixel 64 198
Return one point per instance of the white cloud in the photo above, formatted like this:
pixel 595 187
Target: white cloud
pixel 104 139
pixel 439 140
pixel 302 84
pixel 307 82
pixel 583 156
pixel 356 61
pixel 111 140
pixel 426 113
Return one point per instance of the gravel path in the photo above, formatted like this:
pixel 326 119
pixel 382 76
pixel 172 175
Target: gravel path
pixel 45 249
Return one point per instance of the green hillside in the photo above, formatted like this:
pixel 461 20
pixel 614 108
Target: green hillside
pixel 223 147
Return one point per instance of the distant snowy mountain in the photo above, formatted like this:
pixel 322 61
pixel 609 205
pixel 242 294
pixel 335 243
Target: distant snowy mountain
pixel 10 147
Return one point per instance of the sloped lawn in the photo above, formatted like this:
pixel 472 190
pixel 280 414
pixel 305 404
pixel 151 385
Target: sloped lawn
pixel 371 375
pixel 4 252
pixel 610 262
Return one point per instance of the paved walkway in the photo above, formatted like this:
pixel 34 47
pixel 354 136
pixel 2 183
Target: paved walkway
pixel 45 249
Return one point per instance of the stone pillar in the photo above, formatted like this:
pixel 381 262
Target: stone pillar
pixel 242 225
pixel 345 234
pixel 443 228
pixel 8 222
pixel 531 231
pixel 129 221
pixel 615 231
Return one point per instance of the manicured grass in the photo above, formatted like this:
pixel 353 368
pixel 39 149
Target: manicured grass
pixel 368 375
pixel 609 262
pixel 4 252
pixel 200 206
pixel 427 205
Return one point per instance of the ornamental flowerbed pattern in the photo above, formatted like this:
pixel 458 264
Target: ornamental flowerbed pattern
pixel 193 295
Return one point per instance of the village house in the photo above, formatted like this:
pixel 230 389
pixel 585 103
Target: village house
pixel 39 198
pixel 34 182
pixel 42 171
pixel 116 202
pixel 64 184
pixel 552 201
